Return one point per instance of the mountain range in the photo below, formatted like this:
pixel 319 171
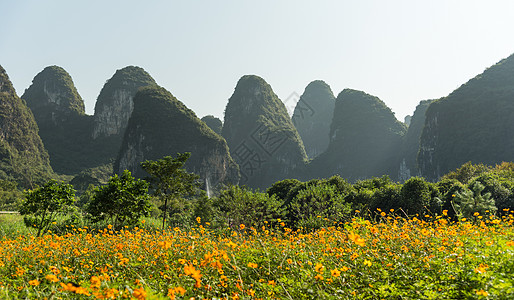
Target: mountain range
pixel 355 135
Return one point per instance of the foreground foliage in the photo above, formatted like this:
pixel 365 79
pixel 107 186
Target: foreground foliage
pixel 389 258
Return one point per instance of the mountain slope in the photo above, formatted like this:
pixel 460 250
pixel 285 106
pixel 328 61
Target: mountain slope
pixel 474 123
pixel 161 125
pixel 261 137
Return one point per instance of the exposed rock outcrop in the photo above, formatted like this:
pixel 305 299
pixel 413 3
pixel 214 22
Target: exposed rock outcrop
pixel 409 165
pixel 365 139
pixel 22 155
pixel 161 125
pixel 115 102
pixel 474 123
pixel 261 136
pixel 312 117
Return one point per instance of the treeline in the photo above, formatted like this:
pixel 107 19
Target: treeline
pixel 176 197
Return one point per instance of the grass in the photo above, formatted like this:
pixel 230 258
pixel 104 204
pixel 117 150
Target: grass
pixel 389 258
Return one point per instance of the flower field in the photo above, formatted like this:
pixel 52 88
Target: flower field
pixel 389 258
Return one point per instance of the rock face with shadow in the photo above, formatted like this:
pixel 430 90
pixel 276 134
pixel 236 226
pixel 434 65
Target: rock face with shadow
pixel 261 136
pixel 474 123
pixel 161 125
pixel 312 117
pixel 365 140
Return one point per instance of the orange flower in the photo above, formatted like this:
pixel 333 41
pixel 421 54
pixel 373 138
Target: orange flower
pixel 34 282
pixel 51 278
pixel 242 226
pixel 252 265
pixel 139 293
pixel 335 273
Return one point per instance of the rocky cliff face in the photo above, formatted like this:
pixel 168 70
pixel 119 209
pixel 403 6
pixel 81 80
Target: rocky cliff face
pixel 261 136
pixel 22 155
pixel 409 165
pixel 474 123
pixel 63 125
pixel 161 125
pixel 312 117
pixel 53 98
pixel 365 139
pixel 115 102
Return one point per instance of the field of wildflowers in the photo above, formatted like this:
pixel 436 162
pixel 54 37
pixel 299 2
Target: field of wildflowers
pixel 388 258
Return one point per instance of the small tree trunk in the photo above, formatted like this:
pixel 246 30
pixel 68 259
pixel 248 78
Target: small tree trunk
pixel 164 215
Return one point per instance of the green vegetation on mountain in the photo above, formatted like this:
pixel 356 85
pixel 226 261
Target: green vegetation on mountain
pixel 365 139
pixel 260 134
pixel 63 126
pixel 23 157
pixel 160 126
pixel 411 141
pixel 474 123
pixel 214 123
pixel 52 96
pixel 312 117
pixel 115 102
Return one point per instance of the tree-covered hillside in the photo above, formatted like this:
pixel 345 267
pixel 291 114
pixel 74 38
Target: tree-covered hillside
pixel 312 117
pixel 160 126
pixel 474 123
pixel 365 139
pixel 23 157
pixel 260 134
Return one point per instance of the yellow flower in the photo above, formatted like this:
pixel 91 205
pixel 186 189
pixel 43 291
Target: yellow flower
pixel 34 282
pixel 252 265
pixel 319 267
pixel 242 226
pixel 335 273
pixel 198 219
pixel 367 263
pixel 482 293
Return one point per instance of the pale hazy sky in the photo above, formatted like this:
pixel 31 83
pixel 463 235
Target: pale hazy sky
pixel 400 51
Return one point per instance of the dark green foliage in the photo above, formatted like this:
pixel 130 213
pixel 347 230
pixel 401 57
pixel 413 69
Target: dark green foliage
pixel 23 157
pixel 416 196
pixel 410 146
pixel 474 123
pixel 239 205
pixel 214 123
pixel 365 139
pixel 312 117
pixel 317 206
pixel 52 96
pixel 260 134
pixel 473 200
pixel 160 124
pixel 93 176
pixel 171 182
pixel 281 189
pixel 466 172
pixel 10 197
pixel 122 202
pixel 42 205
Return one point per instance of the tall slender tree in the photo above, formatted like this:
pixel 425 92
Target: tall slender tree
pixel 170 180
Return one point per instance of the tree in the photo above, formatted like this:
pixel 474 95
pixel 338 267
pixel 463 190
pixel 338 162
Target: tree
pixel 240 205
pixel 170 180
pixel 122 201
pixel 44 204
pixel 472 200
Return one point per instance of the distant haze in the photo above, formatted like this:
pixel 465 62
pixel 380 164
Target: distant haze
pixel 399 51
